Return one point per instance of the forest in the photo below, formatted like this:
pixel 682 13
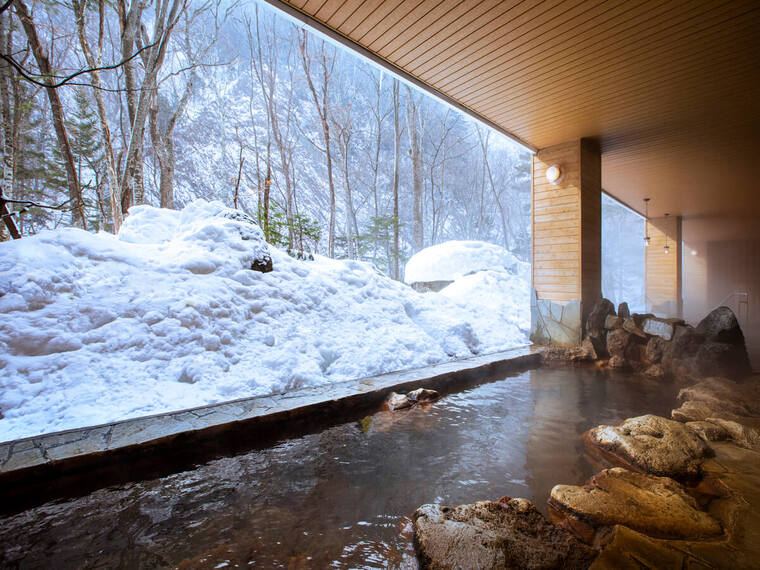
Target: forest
pixel 107 105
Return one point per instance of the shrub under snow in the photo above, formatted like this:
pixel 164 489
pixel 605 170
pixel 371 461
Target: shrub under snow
pixel 169 315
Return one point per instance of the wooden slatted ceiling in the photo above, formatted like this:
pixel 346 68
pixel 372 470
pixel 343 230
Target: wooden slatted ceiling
pixel 671 88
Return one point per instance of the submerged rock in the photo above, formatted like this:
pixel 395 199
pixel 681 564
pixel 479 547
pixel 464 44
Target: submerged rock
pixel 510 533
pixel 398 401
pixel 652 444
pixel 656 506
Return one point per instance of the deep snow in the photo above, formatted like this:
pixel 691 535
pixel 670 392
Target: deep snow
pixel 167 315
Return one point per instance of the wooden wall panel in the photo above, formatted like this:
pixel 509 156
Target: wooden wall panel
pixel 557 216
pixel 663 271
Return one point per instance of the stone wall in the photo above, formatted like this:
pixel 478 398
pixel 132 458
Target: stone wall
pixel 555 322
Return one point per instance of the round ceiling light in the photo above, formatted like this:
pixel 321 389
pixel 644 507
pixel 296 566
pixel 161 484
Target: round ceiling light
pixel 554 174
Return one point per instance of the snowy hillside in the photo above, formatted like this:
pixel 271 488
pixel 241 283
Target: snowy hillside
pixel 169 315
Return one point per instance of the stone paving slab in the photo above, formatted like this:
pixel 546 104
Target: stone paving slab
pixel 53 448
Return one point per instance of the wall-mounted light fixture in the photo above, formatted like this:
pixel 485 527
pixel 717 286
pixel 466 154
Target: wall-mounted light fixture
pixel 666 249
pixel 646 222
pixel 554 174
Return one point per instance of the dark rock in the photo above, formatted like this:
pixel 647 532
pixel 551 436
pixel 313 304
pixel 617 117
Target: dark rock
pixel 263 265
pixel 510 533
pixel 652 444
pixel 721 325
pixel 723 359
pixel 613 322
pixel 623 311
pixel 655 349
pixel 630 325
pixel 678 358
pixel 595 322
pixel 635 354
pixel 656 506
pixel 618 341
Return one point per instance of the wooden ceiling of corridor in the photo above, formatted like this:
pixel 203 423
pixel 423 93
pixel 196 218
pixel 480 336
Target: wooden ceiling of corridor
pixel 670 87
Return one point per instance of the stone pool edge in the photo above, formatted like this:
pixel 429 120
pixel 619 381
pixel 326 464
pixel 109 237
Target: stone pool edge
pixel 57 448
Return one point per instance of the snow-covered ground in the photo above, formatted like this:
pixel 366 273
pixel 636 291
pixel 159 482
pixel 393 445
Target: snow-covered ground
pixel 167 315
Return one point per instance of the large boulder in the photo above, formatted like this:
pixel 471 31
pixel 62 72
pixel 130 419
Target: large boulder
pixel 656 506
pixel 714 348
pixel 509 533
pixel 595 324
pixel 721 325
pixel 651 444
pixel 679 356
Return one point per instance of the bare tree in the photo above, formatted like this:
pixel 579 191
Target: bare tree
pixel 94 60
pixel 162 131
pixel 321 101
pixel 484 136
pixel 415 152
pixel 56 107
pixel 396 164
pixel 166 17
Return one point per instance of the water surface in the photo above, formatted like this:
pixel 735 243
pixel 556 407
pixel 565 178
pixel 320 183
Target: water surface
pixel 341 497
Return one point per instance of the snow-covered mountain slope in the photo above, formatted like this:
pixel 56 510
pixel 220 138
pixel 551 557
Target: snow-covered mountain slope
pixel 169 315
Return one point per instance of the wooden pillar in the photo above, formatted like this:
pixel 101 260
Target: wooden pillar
pixel 567 241
pixel 664 295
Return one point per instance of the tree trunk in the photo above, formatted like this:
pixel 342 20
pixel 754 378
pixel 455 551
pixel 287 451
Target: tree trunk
pixel 396 160
pixel 415 151
pixel 56 108
pixel 93 62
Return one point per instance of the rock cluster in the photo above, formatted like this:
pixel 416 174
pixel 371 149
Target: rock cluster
pixel 659 347
pixel 509 533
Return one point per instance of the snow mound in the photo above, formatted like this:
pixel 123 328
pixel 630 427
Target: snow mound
pixel 168 315
pixel 494 300
pixel 453 259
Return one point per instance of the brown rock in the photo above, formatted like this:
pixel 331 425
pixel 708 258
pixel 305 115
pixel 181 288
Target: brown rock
pixel 617 341
pixel 655 349
pixel 652 444
pixel 623 310
pixel 617 362
pixel 613 322
pixel 398 402
pixel 656 506
pixel 421 395
pixel 510 533
pixel 708 431
pixel 594 325
pixel 630 325
pixel 654 371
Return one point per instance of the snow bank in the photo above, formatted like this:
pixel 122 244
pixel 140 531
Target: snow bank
pixel 168 315
pixel 453 259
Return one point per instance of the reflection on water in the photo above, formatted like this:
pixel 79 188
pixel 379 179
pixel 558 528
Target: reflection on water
pixel 340 498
